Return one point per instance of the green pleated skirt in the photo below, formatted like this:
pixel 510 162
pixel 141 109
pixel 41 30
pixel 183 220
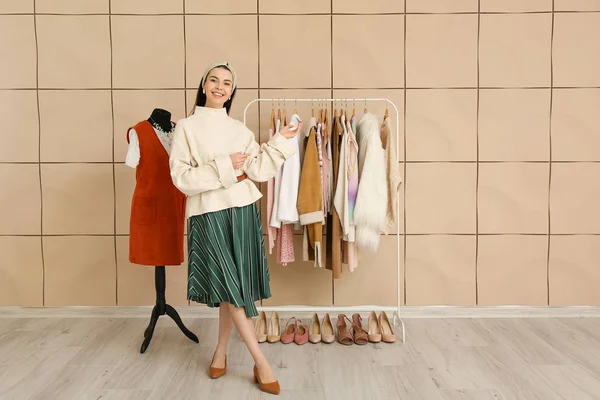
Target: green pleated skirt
pixel 227 260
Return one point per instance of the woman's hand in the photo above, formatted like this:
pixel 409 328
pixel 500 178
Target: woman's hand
pixel 238 159
pixel 287 131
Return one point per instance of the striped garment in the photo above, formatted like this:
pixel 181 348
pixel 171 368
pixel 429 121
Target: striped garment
pixel 227 259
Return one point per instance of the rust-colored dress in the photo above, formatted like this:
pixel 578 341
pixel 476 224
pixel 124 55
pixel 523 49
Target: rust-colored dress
pixel 158 207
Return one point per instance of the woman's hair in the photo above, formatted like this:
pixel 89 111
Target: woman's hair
pixel 201 97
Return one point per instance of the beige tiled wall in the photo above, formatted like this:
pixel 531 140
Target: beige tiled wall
pixel 499 127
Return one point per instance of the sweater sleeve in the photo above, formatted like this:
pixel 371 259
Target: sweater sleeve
pixel 310 199
pixel 266 159
pixel 190 177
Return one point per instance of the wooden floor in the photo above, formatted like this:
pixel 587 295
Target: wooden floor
pixel 475 359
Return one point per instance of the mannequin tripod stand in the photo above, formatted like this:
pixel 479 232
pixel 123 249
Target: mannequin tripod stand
pixel 162 308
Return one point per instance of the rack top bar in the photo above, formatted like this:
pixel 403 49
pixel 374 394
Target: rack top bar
pixel 316 99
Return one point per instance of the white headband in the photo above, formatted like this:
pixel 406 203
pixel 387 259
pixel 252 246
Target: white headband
pixel 223 64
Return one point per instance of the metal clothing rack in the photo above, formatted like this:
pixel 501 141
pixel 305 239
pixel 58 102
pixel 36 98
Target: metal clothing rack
pixel 362 308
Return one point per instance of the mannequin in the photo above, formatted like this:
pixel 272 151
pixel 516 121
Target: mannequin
pixel 157 211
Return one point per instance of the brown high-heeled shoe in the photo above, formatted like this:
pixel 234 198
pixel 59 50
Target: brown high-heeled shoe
pixel 270 387
pixel 216 373
pixel 343 336
pixel 360 336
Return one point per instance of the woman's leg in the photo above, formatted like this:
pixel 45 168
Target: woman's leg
pixel 225 325
pixel 245 327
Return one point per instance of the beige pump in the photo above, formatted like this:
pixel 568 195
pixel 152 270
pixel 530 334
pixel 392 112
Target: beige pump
pixel 314 332
pixel 260 328
pixel 274 331
pixel 387 333
pixel 327 332
pixel 374 328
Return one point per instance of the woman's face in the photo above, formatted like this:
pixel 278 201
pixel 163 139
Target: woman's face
pixel 218 87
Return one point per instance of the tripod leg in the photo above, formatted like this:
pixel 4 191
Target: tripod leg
pixel 150 330
pixel 171 312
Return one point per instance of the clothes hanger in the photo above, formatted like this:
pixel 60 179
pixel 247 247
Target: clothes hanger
pixel 284 121
pixel 387 113
pixel 295 106
pixel 312 111
pixel 353 108
pixel 279 110
pixel 272 120
pixel 346 106
pixel 366 107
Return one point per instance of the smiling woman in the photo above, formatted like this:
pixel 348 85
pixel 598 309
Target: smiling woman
pixel 217 87
pixel 212 157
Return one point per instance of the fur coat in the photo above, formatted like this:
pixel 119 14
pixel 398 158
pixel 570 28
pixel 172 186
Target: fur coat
pixel 372 198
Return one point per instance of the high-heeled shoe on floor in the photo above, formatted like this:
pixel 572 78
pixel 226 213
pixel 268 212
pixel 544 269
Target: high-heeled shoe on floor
pixel 274 329
pixel 270 387
pixel 314 332
pixel 301 336
pixel 374 328
pixel 216 373
pixel 360 336
pixel 289 331
pixel 343 336
pixel 387 332
pixel 260 327
pixel 327 332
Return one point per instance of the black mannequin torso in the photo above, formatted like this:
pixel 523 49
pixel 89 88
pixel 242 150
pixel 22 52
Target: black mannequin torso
pixel 161 119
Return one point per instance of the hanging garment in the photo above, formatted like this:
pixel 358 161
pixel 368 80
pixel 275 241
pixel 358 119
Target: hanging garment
pixel 275 222
pixel 271 232
pixel 326 156
pixel 334 227
pixel 340 201
pixel 351 249
pixel 392 167
pixel 330 174
pixel 348 161
pixel 352 169
pixel 288 196
pixel 371 199
pixel 310 197
pixel 285 245
pixel 157 208
pixel 289 183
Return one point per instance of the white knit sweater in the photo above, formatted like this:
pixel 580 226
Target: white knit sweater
pixel 201 167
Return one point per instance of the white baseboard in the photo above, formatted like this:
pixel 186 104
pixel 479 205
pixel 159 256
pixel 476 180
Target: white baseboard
pixel 407 312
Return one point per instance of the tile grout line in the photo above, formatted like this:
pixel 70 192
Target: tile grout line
pixel 185 101
pixel 299 234
pixel 550 156
pixel 408 162
pixel 404 270
pixel 112 110
pixel 39 117
pixel 260 201
pixel 313 88
pixel 477 162
pixel 333 107
pixel 185 104
pixel 313 14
